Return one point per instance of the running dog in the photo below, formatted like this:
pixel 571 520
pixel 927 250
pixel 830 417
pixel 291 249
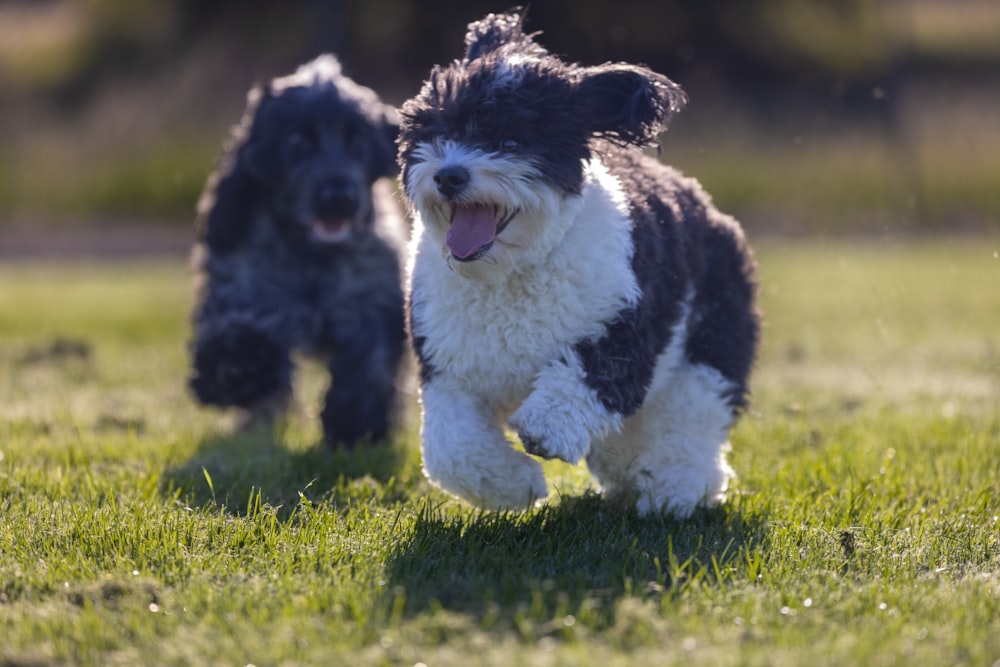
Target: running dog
pixel 565 285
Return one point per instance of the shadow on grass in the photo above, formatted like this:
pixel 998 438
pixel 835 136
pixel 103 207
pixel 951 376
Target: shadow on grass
pixel 575 559
pixel 240 469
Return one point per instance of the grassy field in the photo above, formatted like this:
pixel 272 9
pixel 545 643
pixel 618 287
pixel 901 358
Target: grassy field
pixel 136 528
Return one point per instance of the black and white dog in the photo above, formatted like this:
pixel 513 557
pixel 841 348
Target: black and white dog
pixel 299 249
pixel 566 285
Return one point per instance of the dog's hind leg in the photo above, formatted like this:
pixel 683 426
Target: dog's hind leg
pixel 466 453
pixel 671 455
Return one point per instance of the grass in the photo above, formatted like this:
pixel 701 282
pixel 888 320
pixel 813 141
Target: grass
pixel 136 528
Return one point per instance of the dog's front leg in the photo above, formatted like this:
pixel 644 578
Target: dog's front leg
pixel 237 363
pixel 561 416
pixel 361 398
pixel 466 454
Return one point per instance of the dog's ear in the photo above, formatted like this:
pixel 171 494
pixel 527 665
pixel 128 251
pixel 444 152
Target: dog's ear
pixel 384 161
pixel 253 150
pixel 225 207
pixel 489 34
pixel 628 104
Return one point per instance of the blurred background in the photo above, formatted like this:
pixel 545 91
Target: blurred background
pixel 822 118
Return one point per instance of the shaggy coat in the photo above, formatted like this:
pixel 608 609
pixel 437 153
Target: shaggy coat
pixel 298 250
pixel 566 286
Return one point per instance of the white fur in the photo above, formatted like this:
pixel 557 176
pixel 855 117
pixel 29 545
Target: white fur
pixel 466 454
pixel 496 342
pixel 563 412
pixel 499 332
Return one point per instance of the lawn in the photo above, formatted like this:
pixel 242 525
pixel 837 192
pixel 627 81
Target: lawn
pixel 136 528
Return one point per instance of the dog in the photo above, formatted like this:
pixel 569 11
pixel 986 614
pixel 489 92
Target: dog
pixel 565 285
pixel 299 250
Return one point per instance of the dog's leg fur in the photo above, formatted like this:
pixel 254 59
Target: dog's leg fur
pixel 466 453
pixel 365 332
pixel 362 392
pixel 562 414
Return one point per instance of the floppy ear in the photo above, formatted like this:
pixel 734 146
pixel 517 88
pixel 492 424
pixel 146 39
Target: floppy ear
pixel 384 159
pixel 628 104
pixel 489 34
pixel 226 205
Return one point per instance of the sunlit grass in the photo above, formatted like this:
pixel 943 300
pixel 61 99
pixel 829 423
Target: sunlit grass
pixel 136 528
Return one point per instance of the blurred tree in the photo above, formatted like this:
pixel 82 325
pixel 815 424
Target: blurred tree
pixel 750 48
pixel 151 84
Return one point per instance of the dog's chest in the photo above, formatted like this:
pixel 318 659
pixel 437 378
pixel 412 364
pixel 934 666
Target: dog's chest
pixel 494 339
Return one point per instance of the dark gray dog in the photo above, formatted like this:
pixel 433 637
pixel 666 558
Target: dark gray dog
pixel 298 247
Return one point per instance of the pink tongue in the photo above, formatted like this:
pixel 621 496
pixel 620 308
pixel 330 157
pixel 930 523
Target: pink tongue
pixel 472 227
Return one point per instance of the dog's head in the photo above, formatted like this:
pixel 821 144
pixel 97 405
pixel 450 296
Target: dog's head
pixel 308 149
pixel 494 148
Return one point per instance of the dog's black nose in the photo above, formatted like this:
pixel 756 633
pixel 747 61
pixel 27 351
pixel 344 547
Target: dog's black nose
pixel 451 180
pixel 337 200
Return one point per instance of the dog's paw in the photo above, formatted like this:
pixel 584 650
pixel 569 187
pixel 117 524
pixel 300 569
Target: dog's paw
pixel 552 434
pixel 357 411
pixel 520 486
pixel 240 368
pixel 498 477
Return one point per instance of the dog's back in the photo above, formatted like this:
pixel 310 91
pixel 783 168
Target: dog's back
pixel 684 244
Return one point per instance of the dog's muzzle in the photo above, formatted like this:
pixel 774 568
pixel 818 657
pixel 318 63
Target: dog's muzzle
pixel 474 226
pixel 335 207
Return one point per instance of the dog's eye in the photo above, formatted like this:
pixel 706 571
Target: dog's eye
pixel 298 142
pixel 510 144
pixel 354 139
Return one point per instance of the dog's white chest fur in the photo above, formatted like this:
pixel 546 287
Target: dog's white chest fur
pixel 493 337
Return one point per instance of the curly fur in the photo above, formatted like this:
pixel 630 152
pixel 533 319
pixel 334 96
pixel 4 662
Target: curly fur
pixel 298 250
pixel 566 286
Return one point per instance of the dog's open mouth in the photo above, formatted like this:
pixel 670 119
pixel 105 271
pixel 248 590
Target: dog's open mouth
pixel 333 230
pixel 474 228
